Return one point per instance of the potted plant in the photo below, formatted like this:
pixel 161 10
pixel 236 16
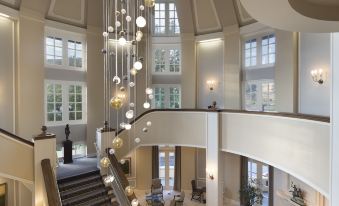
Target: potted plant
pixel 251 194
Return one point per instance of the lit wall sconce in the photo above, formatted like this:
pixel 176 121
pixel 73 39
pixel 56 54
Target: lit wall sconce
pixel 209 172
pixel 210 84
pixel 318 75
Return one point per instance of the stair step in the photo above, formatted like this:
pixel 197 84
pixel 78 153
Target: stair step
pixel 78 182
pixel 78 176
pixel 99 201
pixel 81 189
pixel 84 197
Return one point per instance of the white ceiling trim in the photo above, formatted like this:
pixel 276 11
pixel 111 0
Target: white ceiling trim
pixel 53 15
pixel 199 29
pixel 242 16
pixel 12 2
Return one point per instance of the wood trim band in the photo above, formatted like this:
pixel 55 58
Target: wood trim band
pixel 13 136
pixel 279 114
pixel 52 191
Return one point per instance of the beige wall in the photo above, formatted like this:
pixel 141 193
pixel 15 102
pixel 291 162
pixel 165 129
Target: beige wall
pixel 188 160
pixel 30 75
pixel 144 168
pixel 286 71
pixel 231 178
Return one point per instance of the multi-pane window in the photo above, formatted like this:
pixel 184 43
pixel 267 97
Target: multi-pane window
pixel 174 98
pixel 174 60
pixel 75 102
pixel 260 51
pixel 166 59
pixel 64 50
pixel 167 167
pixel 54 50
pixel 268 49
pixel 268 96
pixel 251 53
pixel 159 60
pixel 259 95
pixel 173 19
pixel 167 96
pixel 54 102
pixel 166 21
pixel 160 18
pixel 74 53
pixel 65 102
pixel 159 98
pixel 252 171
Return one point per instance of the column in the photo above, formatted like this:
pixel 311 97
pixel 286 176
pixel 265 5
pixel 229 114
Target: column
pixel 214 186
pixel 44 148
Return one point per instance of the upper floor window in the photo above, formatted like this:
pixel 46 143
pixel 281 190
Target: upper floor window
pixel 166 21
pixel 65 102
pixel 260 51
pixel 64 50
pixel 167 96
pixel 54 50
pixel 259 95
pixel 166 59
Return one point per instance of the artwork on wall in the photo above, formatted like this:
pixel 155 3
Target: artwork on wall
pixel 126 166
pixel 3 194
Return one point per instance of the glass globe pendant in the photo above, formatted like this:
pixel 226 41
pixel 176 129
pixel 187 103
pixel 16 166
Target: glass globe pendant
pixel 122 41
pixel 129 114
pixel 104 162
pixel 135 202
pixel 116 103
pixel 141 22
pixel 117 143
pixel 149 123
pixel 134 71
pixel 137 140
pixel 129 190
pixel 128 126
pixel 147 105
pixel 137 65
pixel 116 80
pixel 149 90
pixel 149 3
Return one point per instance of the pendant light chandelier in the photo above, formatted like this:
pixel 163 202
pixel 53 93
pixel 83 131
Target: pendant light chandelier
pixel 125 25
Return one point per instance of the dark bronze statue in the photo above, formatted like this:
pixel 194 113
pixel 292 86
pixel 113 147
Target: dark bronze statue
pixel 67 131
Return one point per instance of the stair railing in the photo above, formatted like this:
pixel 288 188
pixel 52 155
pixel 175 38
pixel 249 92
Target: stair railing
pixel 52 191
pixel 119 191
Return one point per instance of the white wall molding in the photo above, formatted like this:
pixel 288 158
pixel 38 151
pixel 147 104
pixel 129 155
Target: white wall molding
pixel 81 21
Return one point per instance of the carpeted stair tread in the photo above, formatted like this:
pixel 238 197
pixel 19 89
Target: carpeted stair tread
pixel 98 193
pixel 79 189
pixel 75 183
pixel 99 201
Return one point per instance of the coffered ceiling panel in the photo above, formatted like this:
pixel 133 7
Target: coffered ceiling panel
pixel 206 17
pixel 11 3
pixel 68 11
pixel 243 16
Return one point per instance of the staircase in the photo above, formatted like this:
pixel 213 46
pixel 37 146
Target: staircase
pixel 87 189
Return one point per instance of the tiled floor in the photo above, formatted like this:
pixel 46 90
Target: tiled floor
pixel 168 196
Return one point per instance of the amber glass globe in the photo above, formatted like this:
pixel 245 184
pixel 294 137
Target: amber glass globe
pixel 117 143
pixel 129 191
pixel 149 3
pixel 116 103
pixel 104 162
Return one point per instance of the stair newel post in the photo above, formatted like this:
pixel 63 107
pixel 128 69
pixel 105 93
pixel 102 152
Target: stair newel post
pixel 104 137
pixel 44 148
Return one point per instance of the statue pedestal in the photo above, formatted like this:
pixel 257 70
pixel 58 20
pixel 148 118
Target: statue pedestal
pixel 68 151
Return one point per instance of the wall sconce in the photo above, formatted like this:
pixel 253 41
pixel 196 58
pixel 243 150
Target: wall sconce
pixel 210 84
pixel 318 75
pixel 209 172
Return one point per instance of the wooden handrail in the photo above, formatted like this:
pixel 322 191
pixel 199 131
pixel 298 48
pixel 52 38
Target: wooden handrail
pixel 50 183
pixel 13 136
pixel 279 114
pixel 122 177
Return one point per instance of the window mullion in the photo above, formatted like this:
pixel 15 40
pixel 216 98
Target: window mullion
pixel 65 89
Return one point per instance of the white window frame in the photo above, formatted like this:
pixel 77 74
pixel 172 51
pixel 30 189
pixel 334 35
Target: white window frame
pixel 167 48
pixel 167 20
pixel 259 94
pixel 167 94
pixel 65 103
pixel 258 38
pixel 66 36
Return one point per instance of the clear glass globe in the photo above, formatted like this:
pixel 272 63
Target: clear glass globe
pixel 122 161
pixel 105 34
pixel 122 41
pixel 110 29
pixel 150 96
pixel 109 179
pixel 128 126
pixel 123 11
pixel 116 80
pixel 137 65
pixel 111 151
pixel 142 7
pixel 129 190
pixel 122 125
pixel 117 24
pixel 141 22
pixel 139 34
pixel 131 84
pixel 149 123
pixel 137 140
pixel 138 39
pixel 135 202
pixel 149 90
pixel 129 114
pixel 128 18
pixel 147 105
pixel 131 104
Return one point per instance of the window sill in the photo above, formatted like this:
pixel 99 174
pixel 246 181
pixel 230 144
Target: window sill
pixel 63 67
pixel 263 66
pixel 64 123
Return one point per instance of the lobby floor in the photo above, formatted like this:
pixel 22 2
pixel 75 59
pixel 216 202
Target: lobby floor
pixel 168 196
pixel 79 166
